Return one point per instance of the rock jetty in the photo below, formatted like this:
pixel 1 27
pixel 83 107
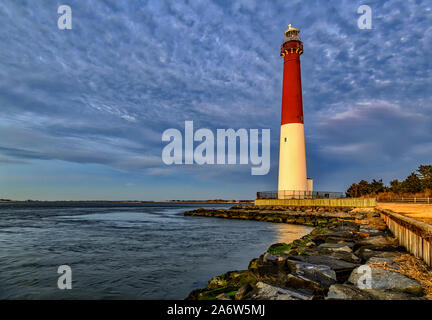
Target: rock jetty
pixel 331 262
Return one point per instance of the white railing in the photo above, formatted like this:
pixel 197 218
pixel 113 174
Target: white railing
pixel 424 200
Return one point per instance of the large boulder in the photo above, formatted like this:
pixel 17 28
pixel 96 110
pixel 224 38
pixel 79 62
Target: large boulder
pixel 347 292
pixel 266 267
pixel 321 274
pixel 367 252
pixel 304 285
pixel 383 279
pixel 371 231
pixel 333 237
pixel 243 291
pixel 376 241
pixel 383 256
pixel 264 291
pixel 342 268
pixel 392 295
pixel 283 273
pixel 269 257
pixel 337 240
pixel 388 261
pixel 335 247
pixel 344 254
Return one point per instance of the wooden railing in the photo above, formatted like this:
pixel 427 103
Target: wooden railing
pixel 426 200
pixel 343 202
pixel 414 235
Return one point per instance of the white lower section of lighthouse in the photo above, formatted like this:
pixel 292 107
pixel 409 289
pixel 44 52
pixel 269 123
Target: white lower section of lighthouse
pixel 293 181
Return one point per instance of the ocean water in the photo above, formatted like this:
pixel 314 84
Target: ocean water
pixel 124 251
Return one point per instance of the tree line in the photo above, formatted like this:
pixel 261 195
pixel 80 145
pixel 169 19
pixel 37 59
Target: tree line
pixel 417 182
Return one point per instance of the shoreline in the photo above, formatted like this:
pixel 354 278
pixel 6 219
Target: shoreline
pixel 134 201
pixel 325 264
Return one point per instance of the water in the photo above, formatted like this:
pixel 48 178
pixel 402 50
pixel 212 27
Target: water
pixel 123 251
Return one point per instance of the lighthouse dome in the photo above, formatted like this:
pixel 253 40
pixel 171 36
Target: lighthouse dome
pixel 292 33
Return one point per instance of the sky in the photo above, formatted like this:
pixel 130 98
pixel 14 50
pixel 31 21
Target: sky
pixel 82 111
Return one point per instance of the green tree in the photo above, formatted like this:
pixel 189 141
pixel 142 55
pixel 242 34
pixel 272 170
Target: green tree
pixel 427 184
pixel 364 188
pixel 425 173
pixel 352 191
pixel 396 186
pixel 359 189
pixel 412 184
pixel 376 186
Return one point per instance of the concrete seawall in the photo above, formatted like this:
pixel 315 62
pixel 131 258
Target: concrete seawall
pixel 414 235
pixel 345 202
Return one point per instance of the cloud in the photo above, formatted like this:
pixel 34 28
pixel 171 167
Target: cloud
pixel 104 92
pixel 374 127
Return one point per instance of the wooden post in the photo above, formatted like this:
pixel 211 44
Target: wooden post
pixel 410 237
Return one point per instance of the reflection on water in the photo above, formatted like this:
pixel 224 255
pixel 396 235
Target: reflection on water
pixel 286 233
pixel 123 251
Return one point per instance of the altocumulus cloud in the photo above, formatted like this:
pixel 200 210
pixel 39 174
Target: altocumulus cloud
pixel 104 92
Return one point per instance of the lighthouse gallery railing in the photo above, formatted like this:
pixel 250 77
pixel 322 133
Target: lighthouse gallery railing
pixel 297 194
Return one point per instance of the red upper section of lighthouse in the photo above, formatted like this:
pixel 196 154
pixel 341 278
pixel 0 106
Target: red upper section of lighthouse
pixel 292 103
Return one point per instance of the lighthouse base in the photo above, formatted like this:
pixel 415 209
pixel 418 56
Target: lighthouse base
pixel 298 194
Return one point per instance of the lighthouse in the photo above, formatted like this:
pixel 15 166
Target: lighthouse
pixel 293 181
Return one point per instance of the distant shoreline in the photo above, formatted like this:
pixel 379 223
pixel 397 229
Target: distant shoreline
pixel 135 201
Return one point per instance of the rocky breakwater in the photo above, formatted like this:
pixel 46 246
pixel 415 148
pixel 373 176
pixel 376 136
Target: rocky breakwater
pixel 332 262
pixel 311 216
